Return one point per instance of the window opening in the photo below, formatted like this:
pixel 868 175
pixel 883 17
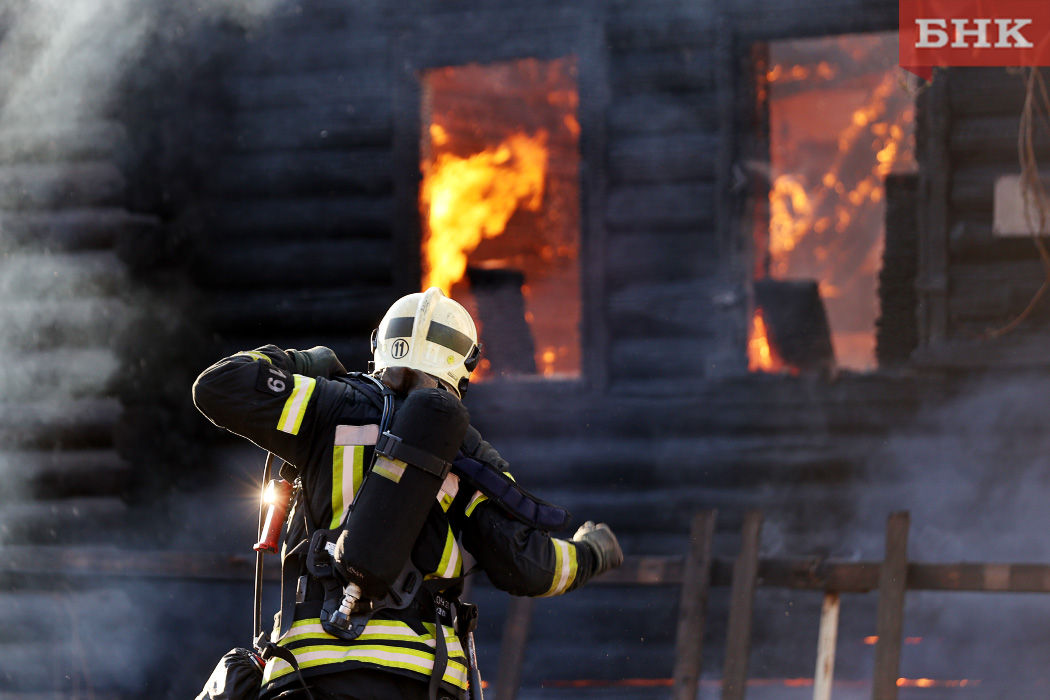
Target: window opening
pixel 500 209
pixel 840 120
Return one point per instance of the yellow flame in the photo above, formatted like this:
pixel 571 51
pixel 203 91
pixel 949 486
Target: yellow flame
pixel 465 200
pixel 761 357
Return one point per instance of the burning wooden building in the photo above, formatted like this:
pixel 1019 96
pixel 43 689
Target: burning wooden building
pixel 721 255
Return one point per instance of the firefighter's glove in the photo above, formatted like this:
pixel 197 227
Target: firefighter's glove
pixel 602 543
pixel 318 361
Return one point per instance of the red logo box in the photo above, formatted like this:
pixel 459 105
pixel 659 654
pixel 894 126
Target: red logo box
pixel 973 33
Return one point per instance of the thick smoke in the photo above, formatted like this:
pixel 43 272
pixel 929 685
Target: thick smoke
pixel 74 77
pixel 974 471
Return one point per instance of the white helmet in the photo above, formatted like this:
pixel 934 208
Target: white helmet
pixel 429 332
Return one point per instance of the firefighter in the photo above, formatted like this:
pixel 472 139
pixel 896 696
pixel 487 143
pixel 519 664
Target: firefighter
pixel 324 423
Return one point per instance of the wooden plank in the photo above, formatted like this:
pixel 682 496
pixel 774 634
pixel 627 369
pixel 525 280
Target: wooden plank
pixel 364 122
pixel 662 158
pixel 52 185
pixel 74 229
pixel 801 573
pixel 67 324
pixel 692 607
pixel 289 173
pixel 64 142
pixel 661 113
pixel 69 423
pixel 663 206
pixel 341 87
pixel 32 376
pixel 893 580
pixel 934 117
pixel 351 310
pixel 782 19
pixel 827 638
pixel 643 359
pixel 301 218
pixel 69 473
pixel 314 263
pixel 324 49
pixel 666 310
pixel 40 276
pixel 741 609
pixel 995 92
pixel 81 520
pixel 732 322
pixel 512 648
pixel 662 70
pixel 650 256
pixel 651 27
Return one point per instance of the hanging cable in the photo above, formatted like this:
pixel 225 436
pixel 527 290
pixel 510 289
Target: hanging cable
pixel 1032 186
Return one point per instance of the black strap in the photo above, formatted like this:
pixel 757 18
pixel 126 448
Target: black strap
pixel 392 447
pixel 269 650
pixel 510 496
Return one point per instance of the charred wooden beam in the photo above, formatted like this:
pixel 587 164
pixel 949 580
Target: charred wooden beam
pixel 71 424
pixel 62 142
pixel 294 263
pixel 53 185
pixel 68 324
pixel 69 230
pixel 39 276
pixel 893 581
pixel 800 573
pixel 53 475
pixel 741 610
pixel 692 607
pixel 290 173
pixel 314 312
pixel 364 123
pixel 661 206
pixel 977 92
pixel 897 327
pixel 370 83
pixel 658 70
pixel 300 218
pixel 662 158
pixel 662 113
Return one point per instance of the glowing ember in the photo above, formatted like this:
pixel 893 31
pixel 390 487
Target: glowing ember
pixel 762 357
pixel 465 200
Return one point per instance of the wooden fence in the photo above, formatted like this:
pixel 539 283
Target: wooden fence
pixel 698 571
pixel 695 572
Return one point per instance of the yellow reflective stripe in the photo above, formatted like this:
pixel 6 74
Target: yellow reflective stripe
pixel 451 564
pixel 345 482
pixel 564 566
pixel 295 406
pixel 380 654
pixel 338 497
pixel 390 468
pixel 449 489
pixel 475 501
pixel 311 627
pixel 255 355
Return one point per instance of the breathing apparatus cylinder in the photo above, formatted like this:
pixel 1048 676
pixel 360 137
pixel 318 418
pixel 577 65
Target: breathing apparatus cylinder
pixel 277 497
pixel 412 460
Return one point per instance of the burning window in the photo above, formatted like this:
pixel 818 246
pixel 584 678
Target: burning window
pixel 840 120
pixel 500 209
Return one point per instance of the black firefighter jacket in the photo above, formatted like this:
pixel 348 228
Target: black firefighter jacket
pixel 327 428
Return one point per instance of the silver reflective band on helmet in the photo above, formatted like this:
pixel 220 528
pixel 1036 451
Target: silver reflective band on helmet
pixel 429 332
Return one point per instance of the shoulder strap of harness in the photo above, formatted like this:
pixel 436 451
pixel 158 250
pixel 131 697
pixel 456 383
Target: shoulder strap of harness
pixel 508 495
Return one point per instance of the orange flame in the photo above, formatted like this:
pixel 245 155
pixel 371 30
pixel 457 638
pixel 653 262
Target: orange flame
pixel 761 355
pixel 465 200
